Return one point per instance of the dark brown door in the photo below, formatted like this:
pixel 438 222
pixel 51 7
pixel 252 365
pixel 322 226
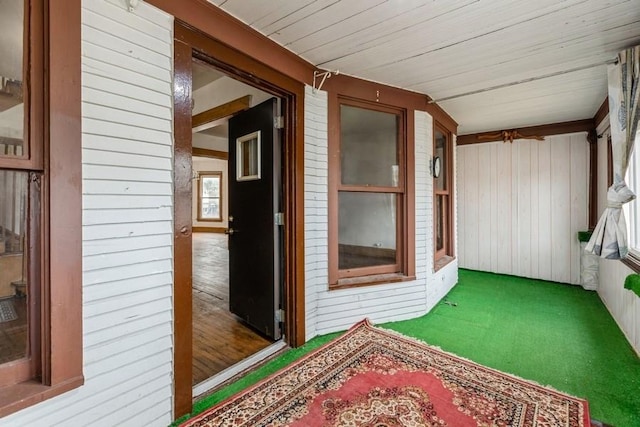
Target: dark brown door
pixel 254 236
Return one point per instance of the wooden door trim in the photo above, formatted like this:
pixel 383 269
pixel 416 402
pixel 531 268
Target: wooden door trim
pixel 182 255
pixel 231 31
pixel 190 43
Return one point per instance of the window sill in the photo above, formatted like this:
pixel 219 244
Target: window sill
pixel 19 396
pixel 442 262
pixel 632 261
pixel 377 279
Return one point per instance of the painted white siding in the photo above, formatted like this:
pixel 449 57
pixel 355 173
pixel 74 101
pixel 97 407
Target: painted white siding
pixel 316 226
pixel 521 206
pixel 440 282
pixel 127 224
pixel 329 311
pixel 623 304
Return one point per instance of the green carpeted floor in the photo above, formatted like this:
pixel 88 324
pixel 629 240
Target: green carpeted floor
pixel 556 335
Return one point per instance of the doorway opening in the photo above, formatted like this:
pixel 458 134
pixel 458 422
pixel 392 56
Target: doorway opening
pixel 227 303
pixel 262 186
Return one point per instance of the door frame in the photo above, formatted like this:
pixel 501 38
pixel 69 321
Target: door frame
pixel 190 43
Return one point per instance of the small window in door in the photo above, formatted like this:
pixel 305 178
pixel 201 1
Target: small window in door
pixel 248 157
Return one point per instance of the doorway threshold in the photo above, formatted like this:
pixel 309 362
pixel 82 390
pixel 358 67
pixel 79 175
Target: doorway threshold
pixel 233 370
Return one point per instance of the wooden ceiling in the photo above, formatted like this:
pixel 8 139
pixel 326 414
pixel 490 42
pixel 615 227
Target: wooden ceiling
pixel 492 64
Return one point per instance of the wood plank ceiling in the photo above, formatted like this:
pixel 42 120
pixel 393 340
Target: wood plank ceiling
pixel 519 62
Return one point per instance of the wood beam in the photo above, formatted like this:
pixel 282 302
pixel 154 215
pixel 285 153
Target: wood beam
pixel 221 111
pixel 593 163
pixel 542 130
pixel 602 112
pixel 213 154
pixel 592 138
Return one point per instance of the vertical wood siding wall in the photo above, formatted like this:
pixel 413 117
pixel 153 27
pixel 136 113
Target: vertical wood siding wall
pixel 127 223
pixel 521 206
pixel 329 311
pixel 623 304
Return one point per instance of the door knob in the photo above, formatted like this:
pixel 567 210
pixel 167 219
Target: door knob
pixel 230 231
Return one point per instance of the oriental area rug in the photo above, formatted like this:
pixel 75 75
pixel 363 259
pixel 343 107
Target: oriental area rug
pixel 373 377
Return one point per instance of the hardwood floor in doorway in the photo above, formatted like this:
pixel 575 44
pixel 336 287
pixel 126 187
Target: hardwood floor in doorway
pixel 219 338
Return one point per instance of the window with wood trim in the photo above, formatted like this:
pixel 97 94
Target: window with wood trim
pixel 367 219
pixel 210 196
pixel 21 176
pixel 40 202
pixel 633 208
pixel 443 197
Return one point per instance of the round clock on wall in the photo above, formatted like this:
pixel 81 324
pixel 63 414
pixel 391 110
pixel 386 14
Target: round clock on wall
pixel 436 167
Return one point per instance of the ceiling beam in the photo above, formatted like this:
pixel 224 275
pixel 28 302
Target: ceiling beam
pixel 221 111
pixel 212 154
pixel 530 131
pixel 602 112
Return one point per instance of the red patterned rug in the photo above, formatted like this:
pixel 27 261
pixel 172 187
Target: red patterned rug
pixel 373 377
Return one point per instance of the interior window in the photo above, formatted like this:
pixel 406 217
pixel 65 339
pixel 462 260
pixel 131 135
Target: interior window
pixel 210 201
pixel 12 111
pixel 633 213
pixel 443 200
pixel 13 266
pixel 20 206
pixel 370 191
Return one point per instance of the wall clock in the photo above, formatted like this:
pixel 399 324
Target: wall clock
pixel 436 167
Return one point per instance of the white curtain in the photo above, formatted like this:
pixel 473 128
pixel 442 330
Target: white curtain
pixel 609 239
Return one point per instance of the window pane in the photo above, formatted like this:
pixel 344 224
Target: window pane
pixel 368 147
pixel 633 207
pixel 210 209
pixel 366 229
pixel 13 277
pixel 11 78
pixel 440 213
pixel 441 143
pixel 210 186
pixel 248 157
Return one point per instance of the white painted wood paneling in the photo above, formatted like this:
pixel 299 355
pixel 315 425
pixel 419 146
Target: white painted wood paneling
pixel 541 61
pixel 127 224
pixel 623 304
pixel 521 206
pixel 316 211
pixel 330 311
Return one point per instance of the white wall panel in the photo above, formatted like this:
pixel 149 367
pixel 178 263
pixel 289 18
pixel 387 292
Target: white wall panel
pixel 521 206
pixel 127 224
pixel 623 304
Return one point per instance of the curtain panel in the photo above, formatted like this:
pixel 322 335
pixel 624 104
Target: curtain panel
pixel 609 239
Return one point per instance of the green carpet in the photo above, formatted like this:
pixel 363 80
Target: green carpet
pixel 556 335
